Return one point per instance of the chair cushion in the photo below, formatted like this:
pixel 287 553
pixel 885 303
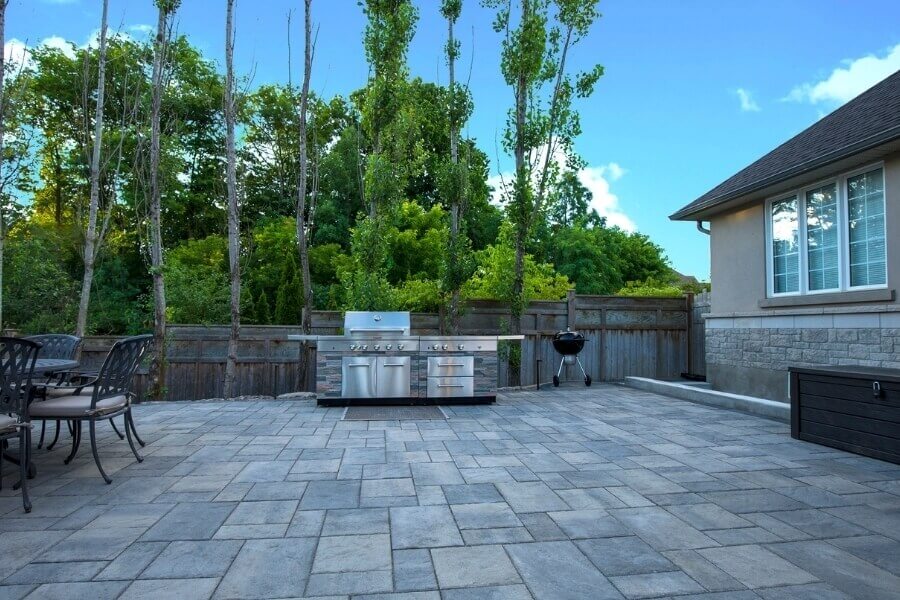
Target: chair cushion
pixel 7 423
pixel 74 406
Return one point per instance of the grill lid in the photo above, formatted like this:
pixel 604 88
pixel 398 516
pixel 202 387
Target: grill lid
pixel 568 342
pixel 362 323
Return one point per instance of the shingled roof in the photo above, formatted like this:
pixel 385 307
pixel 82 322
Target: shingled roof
pixel 869 120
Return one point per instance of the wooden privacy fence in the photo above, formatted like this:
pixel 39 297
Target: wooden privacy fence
pixel 648 337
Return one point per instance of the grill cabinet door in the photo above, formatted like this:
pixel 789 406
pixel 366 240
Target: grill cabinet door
pixel 393 377
pixel 358 377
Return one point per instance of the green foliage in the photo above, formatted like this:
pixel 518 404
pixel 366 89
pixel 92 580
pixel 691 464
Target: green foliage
pixel 418 295
pixel 389 30
pixel 197 282
pixel 601 260
pixel 578 252
pixel 365 290
pixel 416 241
pixel 37 286
pixel 493 278
pixel 289 301
pixel 413 242
pixel 116 303
pixel 651 288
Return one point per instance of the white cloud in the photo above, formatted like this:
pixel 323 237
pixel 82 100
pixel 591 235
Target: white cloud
pixel 16 52
pixel 615 171
pixel 848 81
pixel 142 29
pixel 596 179
pixel 59 43
pixel 748 103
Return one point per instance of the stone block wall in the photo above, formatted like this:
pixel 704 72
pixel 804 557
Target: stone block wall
pixel 755 360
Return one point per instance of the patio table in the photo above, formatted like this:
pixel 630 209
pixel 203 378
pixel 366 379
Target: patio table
pixel 47 366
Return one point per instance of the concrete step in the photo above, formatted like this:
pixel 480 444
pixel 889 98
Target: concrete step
pixel 703 395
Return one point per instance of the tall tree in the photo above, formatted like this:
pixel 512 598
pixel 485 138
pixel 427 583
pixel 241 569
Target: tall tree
pixel 166 10
pixel 302 229
pixel 386 133
pixel 234 233
pixel 91 238
pixel 456 178
pixel 542 124
pixel 389 30
pixel 3 4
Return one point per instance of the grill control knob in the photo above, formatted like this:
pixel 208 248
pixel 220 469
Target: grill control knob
pixel 435 347
pixel 399 347
pixel 376 347
pixel 461 347
pixel 387 347
pixel 444 347
pixel 353 346
pixel 365 347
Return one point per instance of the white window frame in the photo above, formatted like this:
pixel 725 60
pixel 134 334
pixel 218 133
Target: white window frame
pixel 843 214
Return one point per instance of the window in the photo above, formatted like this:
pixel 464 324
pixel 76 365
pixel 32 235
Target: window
pixel 865 200
pixel 785 246
pixel 822 238
pixel 839 245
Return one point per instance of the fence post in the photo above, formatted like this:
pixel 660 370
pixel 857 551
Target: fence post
pixel 689 309
pixel 570 306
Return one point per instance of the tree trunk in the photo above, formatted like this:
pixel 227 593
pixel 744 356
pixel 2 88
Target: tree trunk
pixel 521 190
pixel 57 191
pixel 158 364
pixel 3 4
pixel 302 226
pixel 302 242
pixel 455 205
pixel 234 242
pixel 517 306
pixel 90 238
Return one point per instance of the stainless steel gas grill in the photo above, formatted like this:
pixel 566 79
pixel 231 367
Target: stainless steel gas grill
pixel 379 361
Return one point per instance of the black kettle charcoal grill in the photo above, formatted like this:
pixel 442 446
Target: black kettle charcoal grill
pixel 569 344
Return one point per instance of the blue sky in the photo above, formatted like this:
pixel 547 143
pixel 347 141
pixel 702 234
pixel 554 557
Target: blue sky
pixel 694 90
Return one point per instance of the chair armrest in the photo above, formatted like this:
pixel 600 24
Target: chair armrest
pixel 41 388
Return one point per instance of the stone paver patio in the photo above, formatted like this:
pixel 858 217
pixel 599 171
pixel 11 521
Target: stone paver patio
pixel 593 493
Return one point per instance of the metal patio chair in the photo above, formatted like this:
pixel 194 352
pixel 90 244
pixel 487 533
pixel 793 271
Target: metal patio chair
pixel 108 397
pixel 54 345
pixel 17 358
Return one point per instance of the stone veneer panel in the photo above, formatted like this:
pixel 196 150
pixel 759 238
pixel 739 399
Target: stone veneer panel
pixel 755 360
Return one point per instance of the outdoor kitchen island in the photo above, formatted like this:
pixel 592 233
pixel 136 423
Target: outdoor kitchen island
pixel 378 362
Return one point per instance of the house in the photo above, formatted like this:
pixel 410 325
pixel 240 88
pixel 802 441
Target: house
pixel 819 290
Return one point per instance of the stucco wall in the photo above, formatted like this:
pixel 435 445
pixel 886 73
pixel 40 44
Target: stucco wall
pixel 738 250
pixel 738 260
